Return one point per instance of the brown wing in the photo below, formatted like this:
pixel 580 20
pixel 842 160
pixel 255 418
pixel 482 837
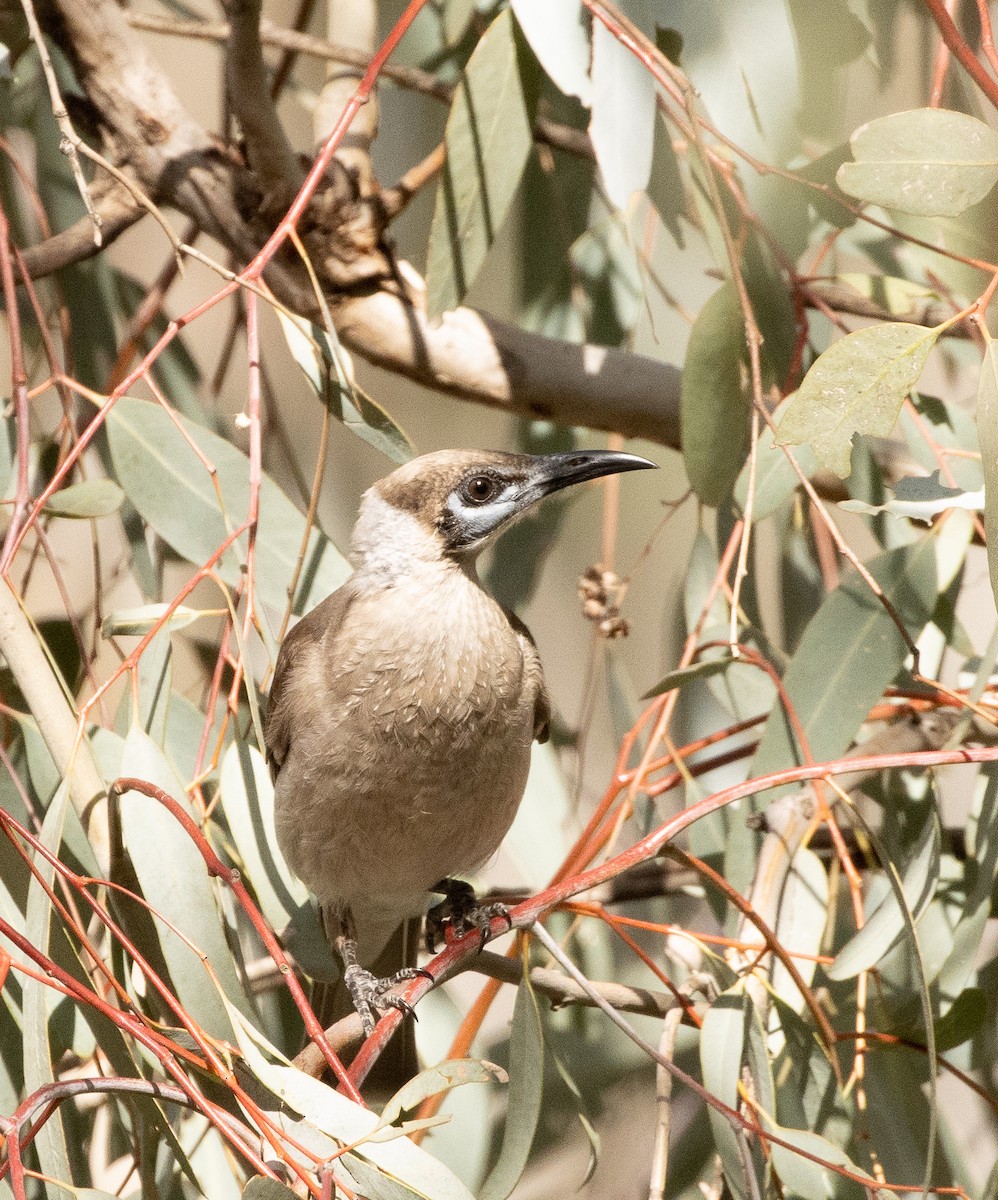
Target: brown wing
pixel 301 641
pixel 542 705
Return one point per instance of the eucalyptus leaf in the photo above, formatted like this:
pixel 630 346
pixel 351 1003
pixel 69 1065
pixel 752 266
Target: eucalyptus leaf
pixel 962 1020
pixel 39 1065
pixel 929 162
pixel 775 479
pixel 850 651
pixel 136 622
pixel 800 924
pixel 523 1106
pixel 622 128
pixel 175 882
pixel 987 433
pixel 887 923
pixel 319 354
pixel 489 138
pixel 714 409
pixel 557 33
pixel 248 802
pixel 807 1179
pixel 433 1081
pixel 171 488
pixel 328 1121
pixel 7 455
pixel 90 499
pixel 857 386
pixel 920 499
pixel 679 678
pixel 724 1049
pixel 262 1188
pixel 901 297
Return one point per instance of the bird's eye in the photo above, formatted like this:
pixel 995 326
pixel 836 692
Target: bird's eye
pixel 479 489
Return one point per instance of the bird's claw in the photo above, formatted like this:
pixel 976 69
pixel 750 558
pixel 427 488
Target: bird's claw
pixel 461 912
pixel 371 995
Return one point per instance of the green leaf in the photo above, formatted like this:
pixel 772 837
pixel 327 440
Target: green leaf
pixel 807 1179
pixel 373 1184
pixel 328 369
pixel 857 386
pixel 886 924
pixel 850 651
pixel 928 162
pixel 169 485
pixel 679 678
pixel 714 410
pixel 39 1068
pixel 800 924
pixel 588 1128
pixel 775 479
pixel 962 1019
pixel 920 498
pixel 828 203
pixel 433 1081
pixel 174 880
pixel 987 433
pixel 92 498
pixel 136 622
pixel 731 1038
pixel 489 138
pixel 329 1121
pixel 606 267
pixel 622 129
pixel 262 1188
pixel 558 35
pixel 523 1106
pixel 248 802
pixel 901 297
pixel 6 448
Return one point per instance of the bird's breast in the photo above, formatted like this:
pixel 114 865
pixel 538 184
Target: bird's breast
pixel 421 770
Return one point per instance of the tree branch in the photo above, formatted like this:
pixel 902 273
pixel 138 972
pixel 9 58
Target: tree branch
pixel 267 147
pixel 555 985
pixel 477 357
pixel 466 354
pixel 551 133
pixel 354 24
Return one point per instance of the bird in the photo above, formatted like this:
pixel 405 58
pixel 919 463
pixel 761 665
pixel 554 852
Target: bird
pixel 403 707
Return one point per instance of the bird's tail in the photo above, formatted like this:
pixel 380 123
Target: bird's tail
pixel 331 1001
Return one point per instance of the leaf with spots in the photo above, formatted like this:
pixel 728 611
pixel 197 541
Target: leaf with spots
pixel 857 386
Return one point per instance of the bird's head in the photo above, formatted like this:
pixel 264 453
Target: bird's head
pixel 453 503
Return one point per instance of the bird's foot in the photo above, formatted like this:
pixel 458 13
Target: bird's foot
pixel 372 996
pixel 461 912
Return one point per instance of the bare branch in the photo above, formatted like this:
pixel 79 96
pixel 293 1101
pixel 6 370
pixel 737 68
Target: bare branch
pixel 843 299
pixel 560 137
pixel 267 147
pixel 555 985
pixel 474 356
pixel 465 354
pixel 352 23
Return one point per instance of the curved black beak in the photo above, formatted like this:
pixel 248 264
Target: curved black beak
pixel 552 472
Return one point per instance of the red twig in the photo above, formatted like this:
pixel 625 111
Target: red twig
pixel 955 40
pixel 530 910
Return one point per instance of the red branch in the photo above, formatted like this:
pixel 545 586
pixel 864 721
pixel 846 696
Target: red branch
pixel 955 40
pixel 530 910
